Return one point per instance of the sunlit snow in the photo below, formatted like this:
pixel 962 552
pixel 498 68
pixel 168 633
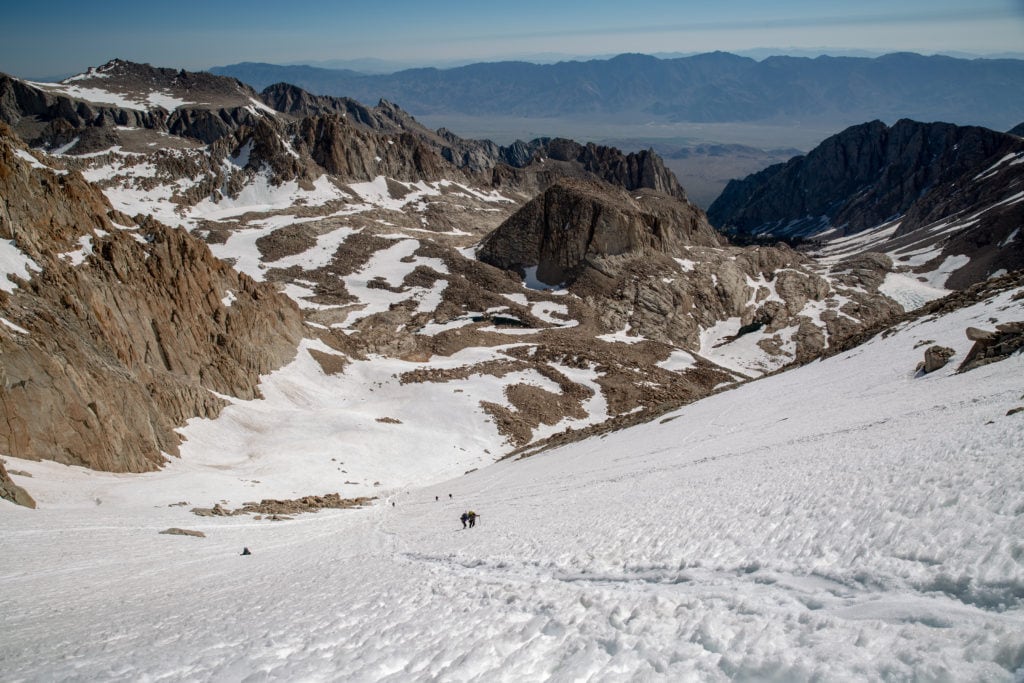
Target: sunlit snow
pixel 845 520
pixel 13 261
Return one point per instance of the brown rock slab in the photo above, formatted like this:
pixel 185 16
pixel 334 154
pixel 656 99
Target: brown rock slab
pixel 175 531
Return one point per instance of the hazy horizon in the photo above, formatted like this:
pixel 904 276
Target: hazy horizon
pixel 69 37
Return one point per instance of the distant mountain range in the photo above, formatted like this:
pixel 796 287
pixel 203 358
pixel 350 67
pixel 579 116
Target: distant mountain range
pixel 712 87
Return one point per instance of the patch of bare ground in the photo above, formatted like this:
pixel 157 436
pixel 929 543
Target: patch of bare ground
pixel 330 363
pixel 286 241
pixel 512 426
pixel 495 368
pixel 640 404
pixel 355 252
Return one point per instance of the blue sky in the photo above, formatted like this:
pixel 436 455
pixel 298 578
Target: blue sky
pixel 60 37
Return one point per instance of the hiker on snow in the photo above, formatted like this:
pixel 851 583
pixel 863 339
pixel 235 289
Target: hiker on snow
pixel 472 518
pixel 464 518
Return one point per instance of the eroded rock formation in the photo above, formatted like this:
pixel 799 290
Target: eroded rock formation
pixel 121 330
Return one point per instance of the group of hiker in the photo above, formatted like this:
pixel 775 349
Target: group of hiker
pixel 470 518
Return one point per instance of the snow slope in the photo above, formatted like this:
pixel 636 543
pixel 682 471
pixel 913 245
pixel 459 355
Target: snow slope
pixel 842 521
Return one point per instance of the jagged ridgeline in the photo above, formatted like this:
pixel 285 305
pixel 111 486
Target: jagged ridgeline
pixel 953 188
pixel 174 236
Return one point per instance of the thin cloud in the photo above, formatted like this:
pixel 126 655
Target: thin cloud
pixel 895 18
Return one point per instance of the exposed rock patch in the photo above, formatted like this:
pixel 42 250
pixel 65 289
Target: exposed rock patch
pixel 175 531
pixel 993 346
pixel 294 506
pixel 12 492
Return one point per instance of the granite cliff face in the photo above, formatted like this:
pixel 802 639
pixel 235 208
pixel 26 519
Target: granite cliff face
pixel 352 153
pixel 120 330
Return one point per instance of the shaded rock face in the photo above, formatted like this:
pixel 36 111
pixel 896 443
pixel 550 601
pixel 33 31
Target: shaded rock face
pixel 356 154
pixel 120 333
pixel 575 224
pixel 632 171
pixel 481 156
pixel 290 99
pixel 861 177
pixel 556 158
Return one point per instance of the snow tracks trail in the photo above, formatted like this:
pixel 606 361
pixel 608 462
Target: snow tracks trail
pixel 847 520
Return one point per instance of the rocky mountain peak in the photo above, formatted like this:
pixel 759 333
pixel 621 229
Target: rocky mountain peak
pixel 856 179
pixel 912 188
pixel 575 223
pixel 132 78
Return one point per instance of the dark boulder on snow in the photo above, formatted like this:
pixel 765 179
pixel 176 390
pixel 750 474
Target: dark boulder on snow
pixel 935 357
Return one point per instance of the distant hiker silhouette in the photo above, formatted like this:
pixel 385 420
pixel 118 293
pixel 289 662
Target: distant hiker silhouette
pixel 435 498
pixel 464 518
pixel 449 495
pixel 245 551
pixel 472 518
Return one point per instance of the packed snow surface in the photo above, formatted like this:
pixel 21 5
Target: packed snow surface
pixel 846 520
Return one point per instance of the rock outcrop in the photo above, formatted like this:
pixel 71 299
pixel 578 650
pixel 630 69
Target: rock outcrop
pixel 558 158
pixel 576 224
pixel 935 358
pixel 12 492
pixel 651 264
pixel 993 346
pixel 120 330
pixel 352 153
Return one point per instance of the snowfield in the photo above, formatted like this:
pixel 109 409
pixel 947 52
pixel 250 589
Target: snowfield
pixel 843 521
